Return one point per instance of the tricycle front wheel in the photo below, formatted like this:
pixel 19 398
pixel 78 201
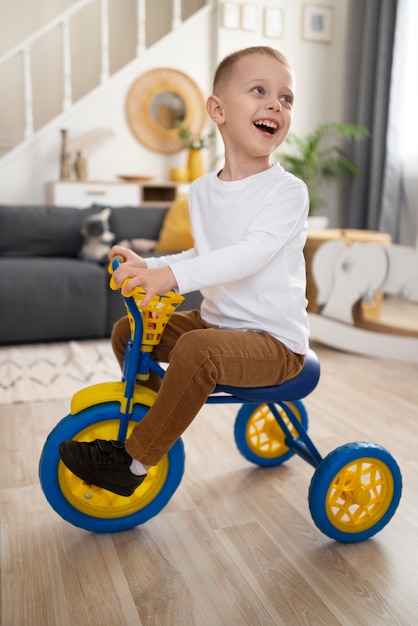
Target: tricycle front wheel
pixel 94 508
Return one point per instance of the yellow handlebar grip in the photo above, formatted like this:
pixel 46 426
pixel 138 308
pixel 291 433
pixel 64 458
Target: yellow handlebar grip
pixel 110 269
pixel 127 293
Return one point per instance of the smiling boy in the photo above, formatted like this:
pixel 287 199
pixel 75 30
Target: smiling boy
pixel 249 224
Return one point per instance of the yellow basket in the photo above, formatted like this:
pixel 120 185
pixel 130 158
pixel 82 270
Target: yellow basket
pixel 155 315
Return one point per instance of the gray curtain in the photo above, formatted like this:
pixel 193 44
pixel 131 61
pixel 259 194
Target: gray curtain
pixel 399 211
pixel 371 29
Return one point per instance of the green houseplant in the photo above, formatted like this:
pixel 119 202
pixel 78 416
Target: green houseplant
pixel 320 157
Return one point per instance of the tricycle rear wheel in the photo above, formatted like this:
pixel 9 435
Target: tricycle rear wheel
pixel 355 491
pixel 259 437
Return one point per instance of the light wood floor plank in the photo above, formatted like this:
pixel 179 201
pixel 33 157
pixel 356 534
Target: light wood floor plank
pixel 286 593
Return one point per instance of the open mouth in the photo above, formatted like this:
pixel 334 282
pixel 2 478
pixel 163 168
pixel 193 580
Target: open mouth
pixel 266 126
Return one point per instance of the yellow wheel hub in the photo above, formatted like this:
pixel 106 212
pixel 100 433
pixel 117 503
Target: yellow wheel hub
pixel 263 434
pixel 359 495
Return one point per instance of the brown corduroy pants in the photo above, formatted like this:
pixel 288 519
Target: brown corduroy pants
pixel 200 356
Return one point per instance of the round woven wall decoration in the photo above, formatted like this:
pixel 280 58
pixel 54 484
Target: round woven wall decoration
pixel 160 103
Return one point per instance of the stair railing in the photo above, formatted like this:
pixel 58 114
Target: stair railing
pixel 63 20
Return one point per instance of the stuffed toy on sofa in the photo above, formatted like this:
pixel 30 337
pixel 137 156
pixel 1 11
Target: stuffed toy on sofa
pixel 97 237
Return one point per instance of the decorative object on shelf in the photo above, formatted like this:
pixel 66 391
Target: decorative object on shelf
pixel 65 164
pixel 195 164
pixel 179 174
pixel 74 152
pixel 80 166
pixel 197 141
pixel 194 144
pixel 319 157
pixel 317 22
pixel 134 178
pixel 160 102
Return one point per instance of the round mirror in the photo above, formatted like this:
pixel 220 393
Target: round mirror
pixel 160 103
pixel 168 110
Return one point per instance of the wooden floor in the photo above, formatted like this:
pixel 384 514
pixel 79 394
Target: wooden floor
pixel 236 545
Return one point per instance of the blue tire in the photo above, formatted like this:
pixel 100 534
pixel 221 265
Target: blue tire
pixel 259 437
pixel 96 509
pixel 355 491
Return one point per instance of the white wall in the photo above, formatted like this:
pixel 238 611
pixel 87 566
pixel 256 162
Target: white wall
pixel 200 44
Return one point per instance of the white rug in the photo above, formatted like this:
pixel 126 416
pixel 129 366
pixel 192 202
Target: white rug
pixel 53 371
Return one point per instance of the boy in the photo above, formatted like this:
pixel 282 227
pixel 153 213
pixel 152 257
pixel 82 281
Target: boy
pixel 249 225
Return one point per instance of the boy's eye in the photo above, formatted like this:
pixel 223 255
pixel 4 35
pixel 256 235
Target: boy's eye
pixel 258 90
pixel 286 98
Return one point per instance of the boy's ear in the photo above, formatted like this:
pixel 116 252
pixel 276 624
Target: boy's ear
pixel 215 109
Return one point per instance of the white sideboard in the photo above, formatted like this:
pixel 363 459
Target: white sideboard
pixel 85 193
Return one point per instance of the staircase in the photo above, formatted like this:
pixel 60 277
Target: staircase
pixel 21 115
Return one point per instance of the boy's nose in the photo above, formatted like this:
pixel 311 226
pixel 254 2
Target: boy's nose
pixel 275 105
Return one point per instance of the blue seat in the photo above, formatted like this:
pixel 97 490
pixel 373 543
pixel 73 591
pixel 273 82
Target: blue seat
pixel 294 389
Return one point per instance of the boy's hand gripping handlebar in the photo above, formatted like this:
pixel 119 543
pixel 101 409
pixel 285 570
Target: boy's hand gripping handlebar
pixel 155 315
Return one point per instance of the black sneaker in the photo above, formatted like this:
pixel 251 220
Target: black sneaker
pixel 101 463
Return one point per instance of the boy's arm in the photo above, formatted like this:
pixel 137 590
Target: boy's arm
pixel 225 265
pixel 170 259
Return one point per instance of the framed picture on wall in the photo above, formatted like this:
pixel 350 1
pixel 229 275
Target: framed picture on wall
pixel 231 15
pixel 317 22
pixel 273 22
pixel 249 17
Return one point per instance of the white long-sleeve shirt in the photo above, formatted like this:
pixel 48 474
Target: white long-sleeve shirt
pixel 247 259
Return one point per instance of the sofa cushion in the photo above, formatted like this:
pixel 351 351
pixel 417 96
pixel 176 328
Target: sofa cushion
pixel 52 299
pixel 41 231
pixel 175 235
pixel 139 222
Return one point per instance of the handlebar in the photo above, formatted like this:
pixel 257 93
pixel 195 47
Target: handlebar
pixel 154 316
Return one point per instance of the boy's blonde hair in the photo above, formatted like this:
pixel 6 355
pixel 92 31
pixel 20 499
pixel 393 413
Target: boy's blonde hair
pixel 225 67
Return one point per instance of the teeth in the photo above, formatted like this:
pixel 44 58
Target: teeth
pixel 267 123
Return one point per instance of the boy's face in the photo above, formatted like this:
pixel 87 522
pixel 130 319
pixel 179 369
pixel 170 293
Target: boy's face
pixel 255 105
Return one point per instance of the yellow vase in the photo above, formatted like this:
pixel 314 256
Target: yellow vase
pixel 195 164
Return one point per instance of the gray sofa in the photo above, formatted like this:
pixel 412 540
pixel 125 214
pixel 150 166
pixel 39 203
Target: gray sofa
pixel 47 293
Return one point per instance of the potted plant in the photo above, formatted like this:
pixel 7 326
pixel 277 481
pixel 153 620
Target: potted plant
pixel 319 157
